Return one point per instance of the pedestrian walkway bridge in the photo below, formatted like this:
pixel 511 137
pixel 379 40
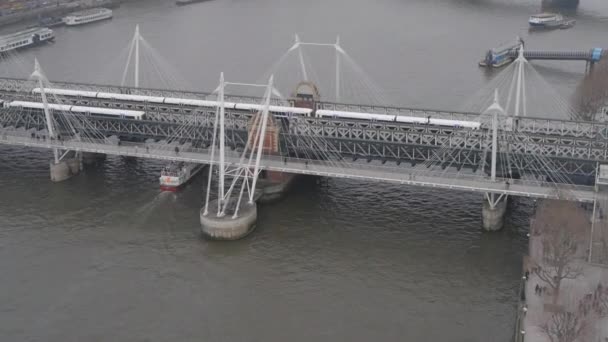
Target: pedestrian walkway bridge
pixel 363 171
pixel 591 56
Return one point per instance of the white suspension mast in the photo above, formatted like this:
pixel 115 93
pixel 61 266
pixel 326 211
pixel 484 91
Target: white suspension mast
pixel 298 46
pixel 495 109
pixel 338 49
pixel 222 169
pixel 262 135
pixel 215 124
pixel 520 75
pixel 523 87
pixel 47 113
pixel 137 39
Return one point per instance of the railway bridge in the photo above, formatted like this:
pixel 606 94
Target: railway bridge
pixel 497 156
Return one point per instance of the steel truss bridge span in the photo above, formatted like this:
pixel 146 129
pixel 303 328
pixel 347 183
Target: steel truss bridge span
pixel 571 151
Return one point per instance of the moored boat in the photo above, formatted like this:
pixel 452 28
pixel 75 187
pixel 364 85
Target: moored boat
pixel 500 56
pixel 25 38
pixel 87 16
pixel 550 21
pixel 188 2
pixel 177 174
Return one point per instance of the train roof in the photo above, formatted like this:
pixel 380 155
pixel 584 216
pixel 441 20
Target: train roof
pixel 172 100
pixel 78 109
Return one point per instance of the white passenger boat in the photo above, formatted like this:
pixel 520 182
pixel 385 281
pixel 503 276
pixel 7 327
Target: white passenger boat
pixel 87 16
pixel 178 174
pixel 546 20
pixel 29 37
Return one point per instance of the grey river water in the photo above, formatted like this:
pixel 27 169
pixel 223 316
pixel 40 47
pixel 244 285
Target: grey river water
pixel 107 257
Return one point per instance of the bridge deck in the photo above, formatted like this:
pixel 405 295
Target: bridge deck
pixel 338 169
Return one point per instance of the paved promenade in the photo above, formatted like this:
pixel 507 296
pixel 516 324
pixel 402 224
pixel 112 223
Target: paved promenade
pixel 578 296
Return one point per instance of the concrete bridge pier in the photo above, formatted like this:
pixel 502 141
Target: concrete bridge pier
pixel 227 227
pixel 65 169
pixel 493 212
pixel 275 185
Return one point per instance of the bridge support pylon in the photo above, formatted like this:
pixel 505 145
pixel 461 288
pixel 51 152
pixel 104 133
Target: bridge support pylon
pixel 493 212
pixel 65 168
pixel 274 185
pixel 228 226
pixel 236 216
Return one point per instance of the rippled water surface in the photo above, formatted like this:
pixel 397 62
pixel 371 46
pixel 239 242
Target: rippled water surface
pixel 106 256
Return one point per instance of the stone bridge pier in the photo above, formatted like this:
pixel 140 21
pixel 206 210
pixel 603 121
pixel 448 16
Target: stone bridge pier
pixel 493 212
pixel 64 168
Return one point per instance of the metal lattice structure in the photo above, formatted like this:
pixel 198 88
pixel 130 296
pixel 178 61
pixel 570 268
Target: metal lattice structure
pixel 573 147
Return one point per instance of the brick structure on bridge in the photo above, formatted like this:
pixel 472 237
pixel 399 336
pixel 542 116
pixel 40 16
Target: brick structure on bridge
pixel 270 144
pixel 271 136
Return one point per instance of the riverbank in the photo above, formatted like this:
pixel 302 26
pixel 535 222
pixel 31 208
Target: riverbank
pixel 31 17
pixel 579 305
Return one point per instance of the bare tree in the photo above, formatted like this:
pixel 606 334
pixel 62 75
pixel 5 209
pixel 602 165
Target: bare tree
pixel 601 256
pixel 601 296
pixel 564 327
pixel 563 227
pixel 592 92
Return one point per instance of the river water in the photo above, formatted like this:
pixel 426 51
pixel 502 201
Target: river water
pixel 106 256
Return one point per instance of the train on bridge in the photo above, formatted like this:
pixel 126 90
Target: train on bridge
pixel 140 102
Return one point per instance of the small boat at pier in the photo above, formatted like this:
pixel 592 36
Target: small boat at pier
pixel 87 16
pixel 25 38
pixel 188 2
pixel 500 56
pixel 177 174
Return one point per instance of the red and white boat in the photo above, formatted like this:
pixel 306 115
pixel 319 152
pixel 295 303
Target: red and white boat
pixel 177 174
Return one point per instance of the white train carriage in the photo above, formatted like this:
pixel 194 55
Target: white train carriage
pixel 93 111
pixel 280 110
pixel 172 101
pixel 128 97
pixel 354 115
pixel 398 118
pixel 455 123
